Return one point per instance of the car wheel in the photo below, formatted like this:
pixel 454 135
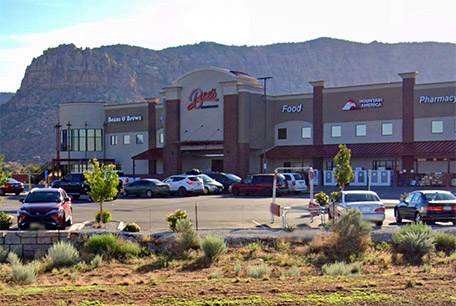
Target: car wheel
pixel 206 190
pixel 182 192
pixel 76 196
pixel 235 192
pixel 63 225
pixel 454 222
pixel 17 193
pixel 379 223
pixel 2 192
pixel 397 216
pixel 149 193
pixel 125 193
pixel 267 192
pixel 417 217
pixel 430 222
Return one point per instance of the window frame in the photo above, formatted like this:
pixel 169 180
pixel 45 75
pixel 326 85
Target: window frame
pixel 433 131
pixel 310 132
pixel 333 129
pixel 114 141
pixel 126 139
pixel 282 133
pixel 139 138
pixel 359 129
pixel 384 125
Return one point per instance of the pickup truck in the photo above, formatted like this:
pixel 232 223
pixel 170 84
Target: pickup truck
pixel 75 185
pixel 126 179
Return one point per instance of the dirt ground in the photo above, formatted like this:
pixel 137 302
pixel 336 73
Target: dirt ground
pixel 163 281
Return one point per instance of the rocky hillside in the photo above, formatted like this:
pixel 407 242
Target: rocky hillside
pixel 120 74
pixel 5 97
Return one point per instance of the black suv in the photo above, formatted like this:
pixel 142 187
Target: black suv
pixel 75 185
pixel 226 179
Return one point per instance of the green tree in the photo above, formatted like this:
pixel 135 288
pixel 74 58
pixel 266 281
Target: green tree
pixel 3 173
pixel 103 181
pixel 344 173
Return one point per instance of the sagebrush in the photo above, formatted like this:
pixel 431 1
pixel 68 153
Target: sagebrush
pixel 213 247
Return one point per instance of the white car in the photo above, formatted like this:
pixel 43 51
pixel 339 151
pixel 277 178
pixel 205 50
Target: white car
pixel 368 202
pixel 183 184
pixel 296 182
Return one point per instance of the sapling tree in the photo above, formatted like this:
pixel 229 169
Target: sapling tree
pixel 343 173
pixel 103 181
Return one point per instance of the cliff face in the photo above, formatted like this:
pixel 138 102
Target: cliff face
pixel 121 74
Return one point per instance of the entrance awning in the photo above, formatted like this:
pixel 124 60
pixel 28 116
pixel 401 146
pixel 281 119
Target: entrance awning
pixel 417 149
pixel 151 154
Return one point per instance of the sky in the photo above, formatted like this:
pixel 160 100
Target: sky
pixel 29 27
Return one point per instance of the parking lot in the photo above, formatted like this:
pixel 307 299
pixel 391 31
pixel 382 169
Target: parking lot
pixel 210 212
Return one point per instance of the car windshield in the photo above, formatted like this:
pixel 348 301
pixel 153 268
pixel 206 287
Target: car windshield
pixel 439 196
pixel 193 178
pixel 206 178
pixel 12 181
pixel 234 177
pixel 36 197
pixel 361 197
pixel 156 182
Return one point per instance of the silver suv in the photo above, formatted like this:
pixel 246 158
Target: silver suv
pixel 182 184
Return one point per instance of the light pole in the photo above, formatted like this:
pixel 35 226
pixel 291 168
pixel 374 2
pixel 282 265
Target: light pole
pixel 265 79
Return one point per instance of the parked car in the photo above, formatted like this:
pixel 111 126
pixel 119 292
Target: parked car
pixel 126 179
pixel 296 183
pixel 226 179
pixel 51 207
pixel 260 184
pixel 183 184
pixel 146 187
pixel 368 202
pixel 428 206
pixel 210 185
pixel 75 185
pixel 12 186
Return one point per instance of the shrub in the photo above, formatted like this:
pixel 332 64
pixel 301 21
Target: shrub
pixel 62 254
pixel 341 269
pixel 5 221
pixel 132 227
pixel 353 234
pixel 289 228
pixel 414 241
pixel 107 216
pixel 334 194
pixel 24 274
pixel 258 271
pixel 215 274
pixel 125 248
pixel 237 269
pixel 3 254
pixel 383 246
pixel 445 242
pixel 322 198
pixel 213 247
pixel 96 261
pixel 293 272
pixel 186 235
pixel 101 244
pixel 13 259
pixel 172 218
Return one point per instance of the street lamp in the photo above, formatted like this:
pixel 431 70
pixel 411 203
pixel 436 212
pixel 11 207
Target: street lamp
pixel 265 79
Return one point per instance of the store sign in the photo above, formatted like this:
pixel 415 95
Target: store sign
pixel 438 99
pixel 292 109
pixel 363 103
pixel 124 119
pixel 197 99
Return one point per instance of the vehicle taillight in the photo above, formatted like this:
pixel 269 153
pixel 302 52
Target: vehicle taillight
pixel 434 208
pixel 190 183
pixel 294 183
pixel 380 210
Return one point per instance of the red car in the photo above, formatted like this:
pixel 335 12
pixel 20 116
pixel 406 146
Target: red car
pixel 260 184
pixel 50 207
pixel 12 186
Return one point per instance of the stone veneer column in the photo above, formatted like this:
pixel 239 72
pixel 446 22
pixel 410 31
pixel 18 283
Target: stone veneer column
pixel 152 141
pixel 236 155
pixel 317 121
pixel 172 157
pixel 408 116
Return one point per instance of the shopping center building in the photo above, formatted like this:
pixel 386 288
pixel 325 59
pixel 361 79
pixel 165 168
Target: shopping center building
pixel 220 120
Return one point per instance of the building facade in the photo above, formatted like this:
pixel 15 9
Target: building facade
pixel 219 120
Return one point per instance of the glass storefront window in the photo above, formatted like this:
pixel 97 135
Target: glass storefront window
pixel 80 140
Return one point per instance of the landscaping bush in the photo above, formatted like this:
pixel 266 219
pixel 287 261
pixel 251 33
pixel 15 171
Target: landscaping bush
pixel 3 254
pixel 24 274
pixel 293 272
pixel 177 215
pixel 5 221
pixel 96 261
pixel 13 259
pixel 213 247
pixel 101 244
pixel 334 194
pixel 132 227
pixel 186 235
pixel 107 216
pixel 445 242
pixel 258 271
pixel 125 248
pixel 322 198
pixel 62 254
pixel 341 269
pixel 414 241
